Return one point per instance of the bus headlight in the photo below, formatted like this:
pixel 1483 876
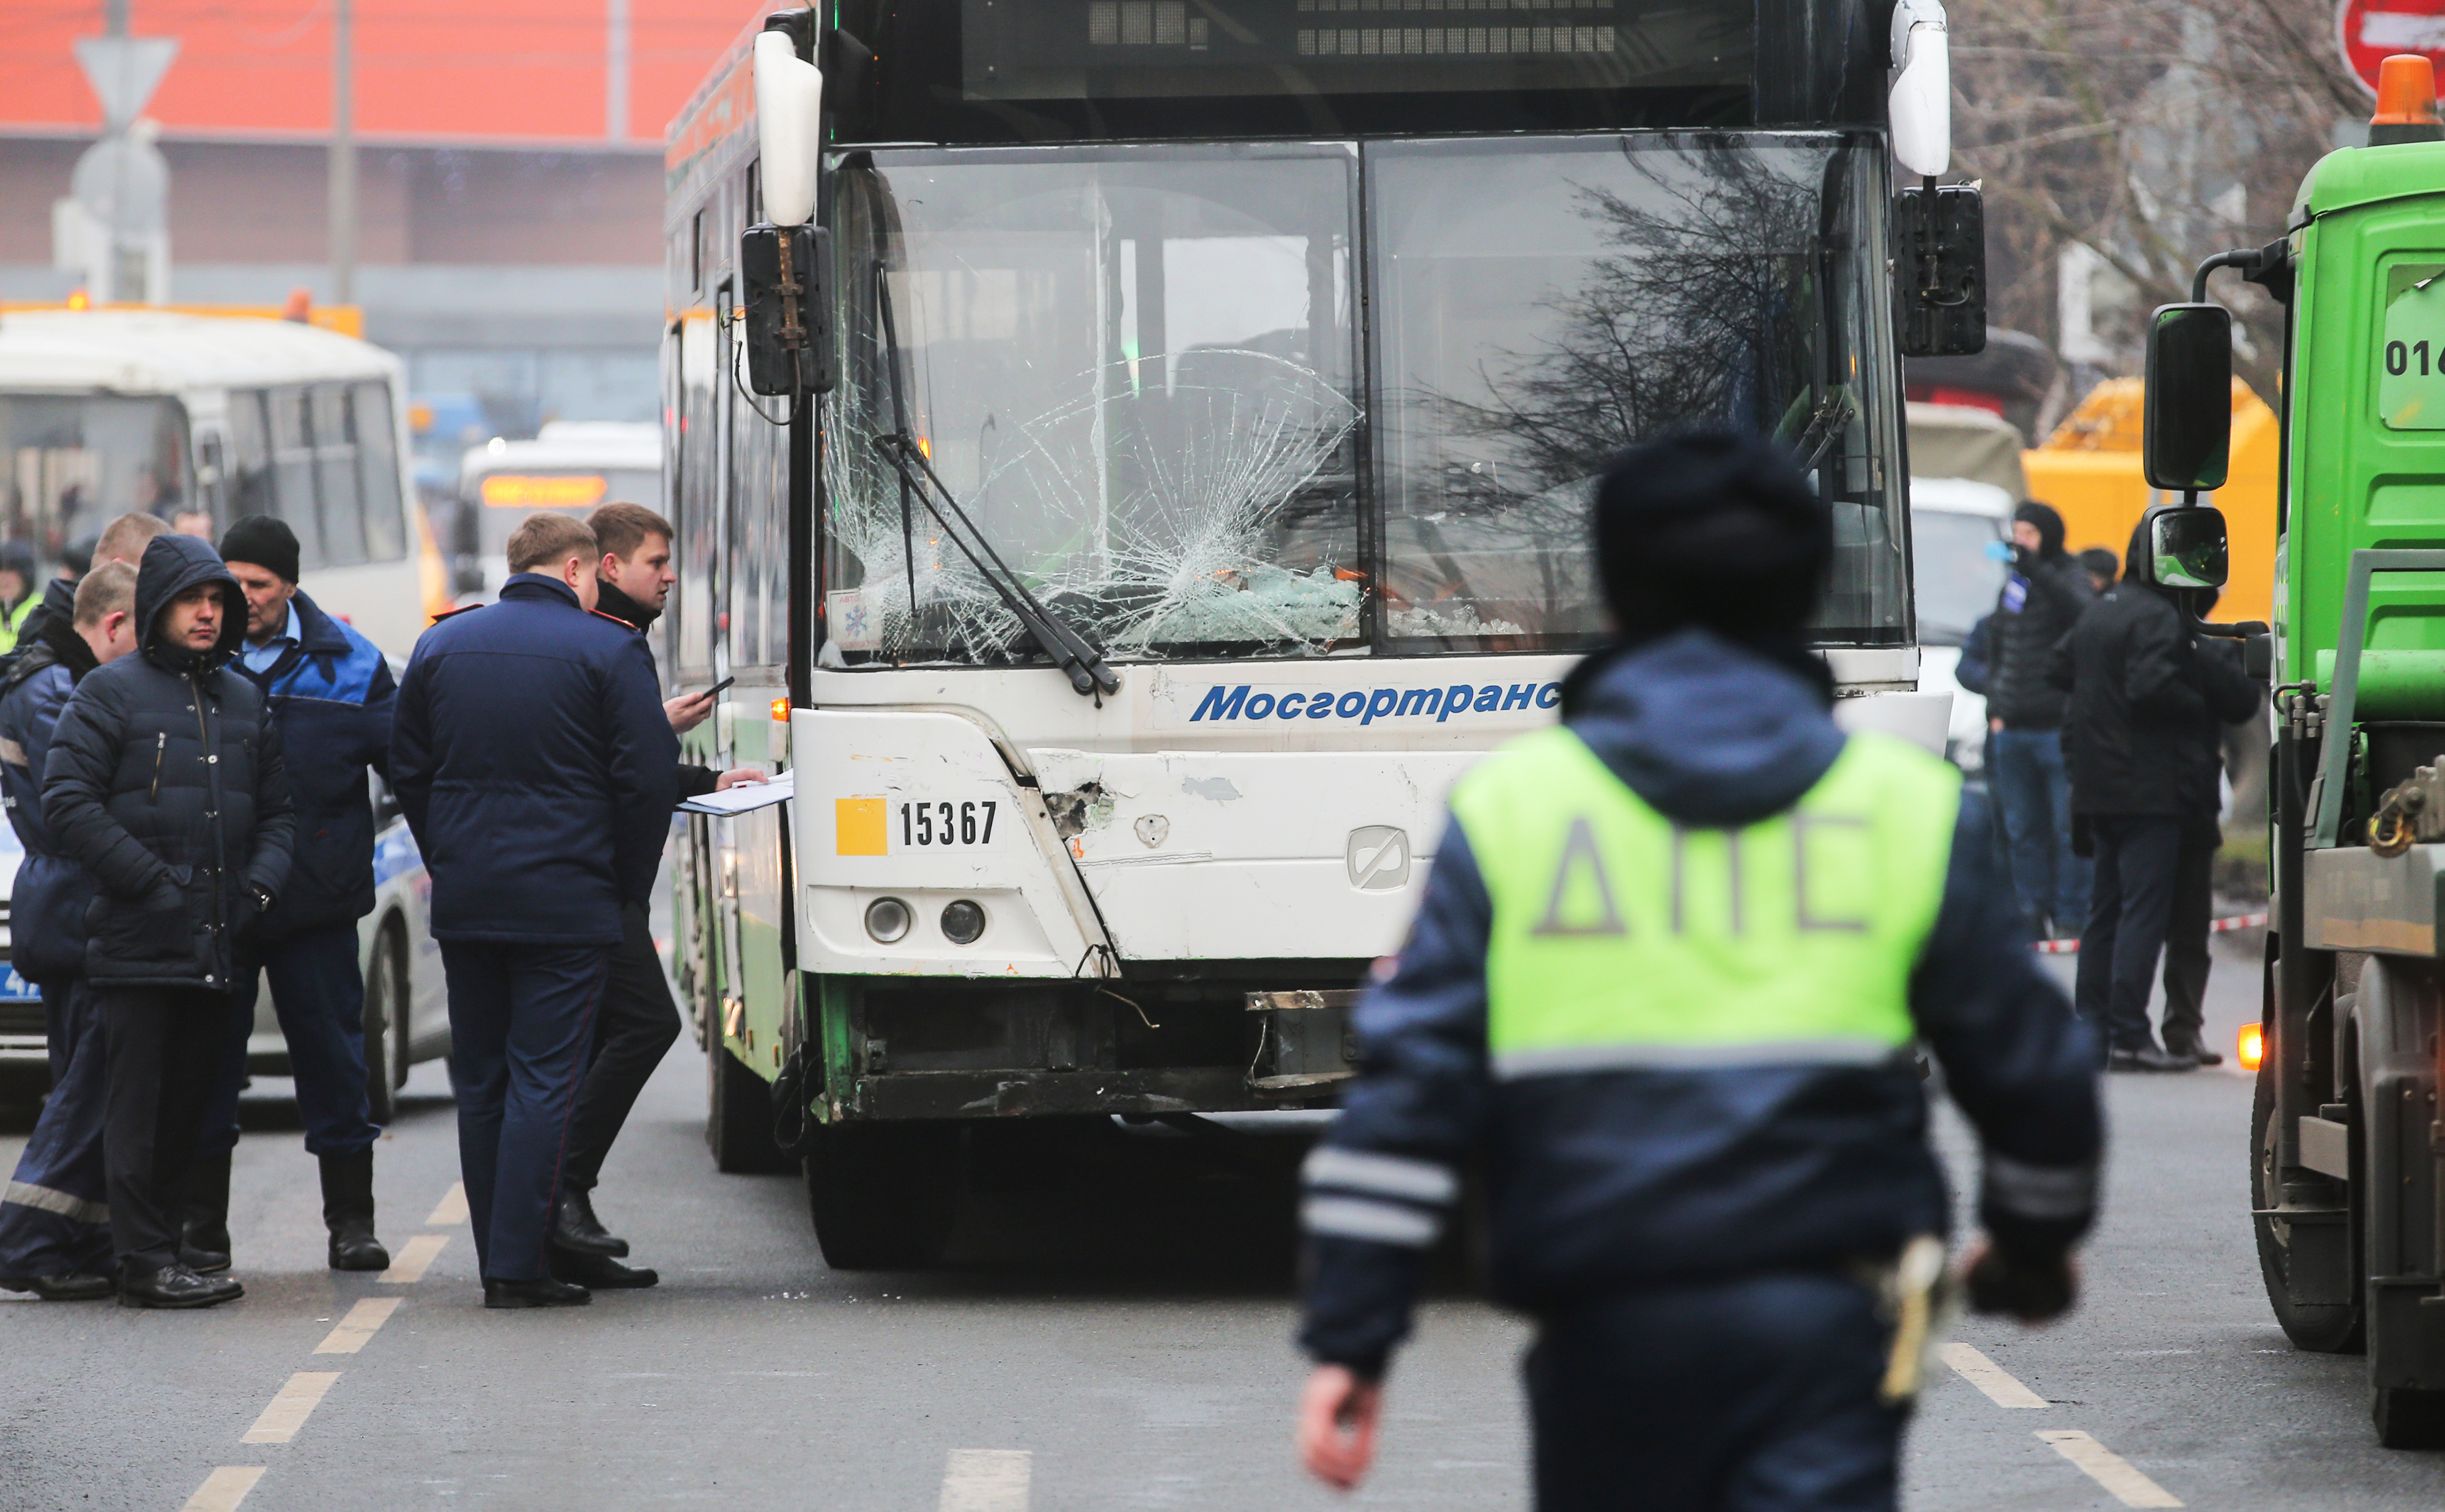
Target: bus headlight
pixel 964 923
pixel 887 921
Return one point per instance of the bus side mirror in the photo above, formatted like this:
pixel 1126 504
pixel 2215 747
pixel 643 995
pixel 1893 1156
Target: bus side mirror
pixel 2185 548
pixel 2186 432
pixel 785 286
pixel 789 123
pixel 1940 270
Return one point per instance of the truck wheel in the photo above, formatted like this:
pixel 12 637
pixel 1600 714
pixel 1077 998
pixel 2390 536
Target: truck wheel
pixel 738 1116
pixel 883 1196
pixel 2408 1419
pixel 2325 1329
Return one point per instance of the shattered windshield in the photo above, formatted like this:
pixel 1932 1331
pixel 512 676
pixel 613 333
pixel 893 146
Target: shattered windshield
pixel 1134 372
pixel 1539 305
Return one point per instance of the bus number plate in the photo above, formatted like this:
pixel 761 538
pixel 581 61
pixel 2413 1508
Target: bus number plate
pixel 947 824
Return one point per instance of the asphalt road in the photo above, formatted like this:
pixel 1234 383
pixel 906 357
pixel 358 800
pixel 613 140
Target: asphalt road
pixel 1118 1340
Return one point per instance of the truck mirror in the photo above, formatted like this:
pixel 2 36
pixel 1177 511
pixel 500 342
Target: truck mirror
pixel 2186 432
pixel 2185 548
pixel 785 286
pixel 1940 270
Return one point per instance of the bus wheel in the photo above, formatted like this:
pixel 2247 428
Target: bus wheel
pixel 2328 1329
pixel 883 1196
pixel 2407 1418
pixel 738 1116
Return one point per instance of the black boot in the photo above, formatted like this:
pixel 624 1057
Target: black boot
pixel 349 1212
pixel 576 1227
pixel 534 1294
pixel 206 1246
pixel 599 1272
pixel 67 1286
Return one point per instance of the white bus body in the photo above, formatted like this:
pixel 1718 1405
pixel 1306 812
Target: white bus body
pixel 570 466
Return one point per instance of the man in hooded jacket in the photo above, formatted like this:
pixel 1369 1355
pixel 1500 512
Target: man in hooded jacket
pixel 165 781
pixel 2043 596
pixel 1666 981
pixel 2145 709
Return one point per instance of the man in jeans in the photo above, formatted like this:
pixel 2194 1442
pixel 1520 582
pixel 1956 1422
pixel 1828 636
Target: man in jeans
pixel 2042 598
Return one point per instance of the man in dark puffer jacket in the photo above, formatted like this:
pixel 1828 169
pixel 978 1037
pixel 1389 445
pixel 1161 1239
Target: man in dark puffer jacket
pixel 2043 597
pixel 165 781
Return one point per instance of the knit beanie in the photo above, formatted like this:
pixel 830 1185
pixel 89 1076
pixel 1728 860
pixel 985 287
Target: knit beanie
pixel 1714 527
pixel 266 542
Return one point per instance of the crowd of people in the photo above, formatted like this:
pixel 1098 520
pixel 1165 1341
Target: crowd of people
pixel 185 744
pixel 2106 722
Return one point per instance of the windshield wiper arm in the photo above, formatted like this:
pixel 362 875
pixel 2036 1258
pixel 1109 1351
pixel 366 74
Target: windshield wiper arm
pixel 1090 674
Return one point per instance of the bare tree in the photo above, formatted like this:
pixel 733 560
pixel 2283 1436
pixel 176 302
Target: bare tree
pixel 2153 133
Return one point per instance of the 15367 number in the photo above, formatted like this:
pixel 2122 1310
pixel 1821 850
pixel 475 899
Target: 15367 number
pixel 947 824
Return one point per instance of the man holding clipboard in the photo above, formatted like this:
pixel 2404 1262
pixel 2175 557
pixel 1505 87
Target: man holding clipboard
pixel 638 1023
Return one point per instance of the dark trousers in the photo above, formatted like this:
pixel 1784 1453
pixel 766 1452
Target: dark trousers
pixel 162 1046
pixel 318 990
pixel 2130 913
pixel 2032 795
pixel 2186 944
pixel 636 1028
pixel 1756 1395
pixel 521 1026
pixel 55 1212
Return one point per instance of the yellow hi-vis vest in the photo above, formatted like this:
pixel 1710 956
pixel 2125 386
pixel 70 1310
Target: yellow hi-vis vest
pixel 1622 940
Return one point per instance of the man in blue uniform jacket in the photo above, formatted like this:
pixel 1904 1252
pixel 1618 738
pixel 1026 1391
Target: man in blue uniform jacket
pixel 331 692
pixel 534 761
pixel 1664 985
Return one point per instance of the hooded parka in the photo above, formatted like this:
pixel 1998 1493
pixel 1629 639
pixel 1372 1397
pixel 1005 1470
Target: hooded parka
pixel 165 781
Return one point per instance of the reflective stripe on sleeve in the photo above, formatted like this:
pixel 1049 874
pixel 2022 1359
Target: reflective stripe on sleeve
pixel 2039 1191
pixel 1363 1218
pixel 1402 1176
pixel 1562 1059
pixel 52 1200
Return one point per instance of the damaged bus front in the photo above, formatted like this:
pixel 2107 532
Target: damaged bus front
pixel 1197 485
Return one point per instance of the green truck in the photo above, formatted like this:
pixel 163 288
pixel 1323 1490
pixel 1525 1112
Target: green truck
pixel 2347 1145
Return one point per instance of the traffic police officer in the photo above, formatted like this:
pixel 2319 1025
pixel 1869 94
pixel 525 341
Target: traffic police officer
pixel 1665 985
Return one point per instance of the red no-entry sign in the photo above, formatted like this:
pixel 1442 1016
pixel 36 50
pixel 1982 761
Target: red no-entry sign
pixel 2370 32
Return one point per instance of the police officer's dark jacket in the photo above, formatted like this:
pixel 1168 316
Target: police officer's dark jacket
pixel 1676 1168
pixel 332 694
pixel 165 780
pixel 534 761
pixel 46 905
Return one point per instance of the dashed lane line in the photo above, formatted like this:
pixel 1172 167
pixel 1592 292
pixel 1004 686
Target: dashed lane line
pixel 408 1266
pixel 360 1325
pixel 224 1488
pixel 986 1480
pixel 451 1209
pixel 2111 1470
pixel 1989 1378
pixel 289 1410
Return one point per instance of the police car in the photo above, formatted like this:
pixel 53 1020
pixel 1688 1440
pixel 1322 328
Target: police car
pixel 406 1009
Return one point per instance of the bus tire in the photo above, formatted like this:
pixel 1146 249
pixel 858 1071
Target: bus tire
pixel 738 1117
pixel 883 1196
pixel 2335 1328
pixel 2407 1418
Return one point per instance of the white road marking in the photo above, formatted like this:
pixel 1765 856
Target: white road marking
pixel 451 1209
pixel 2108 1469
pixel 1989 1378
pixel 292 1407
pixel 359 1326
pixel 408 1265
pixel 986 1480
pixel 224 1488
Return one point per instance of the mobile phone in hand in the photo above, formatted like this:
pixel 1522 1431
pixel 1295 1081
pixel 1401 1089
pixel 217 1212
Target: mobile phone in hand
pixel 718 688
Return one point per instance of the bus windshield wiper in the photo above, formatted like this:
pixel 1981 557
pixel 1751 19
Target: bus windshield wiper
pixel 1090 674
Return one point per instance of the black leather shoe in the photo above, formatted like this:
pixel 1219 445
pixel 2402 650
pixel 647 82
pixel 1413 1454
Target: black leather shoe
pixel 534 1294
pixel 67 1286
pixel 204 1261
pixel 174 1286
pixel 2149 1057
pixel 2197 1052
pixel 600 1272
pixel 576 1227
pixel 354 1248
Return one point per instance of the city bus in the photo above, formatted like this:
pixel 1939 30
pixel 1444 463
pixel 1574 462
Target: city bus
pixel 570 466
pixel 1196 483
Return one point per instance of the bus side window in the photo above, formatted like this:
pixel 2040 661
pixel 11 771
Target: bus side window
pixel 335 472
pixel 247 487
pixel 292 470
pixel 377 435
